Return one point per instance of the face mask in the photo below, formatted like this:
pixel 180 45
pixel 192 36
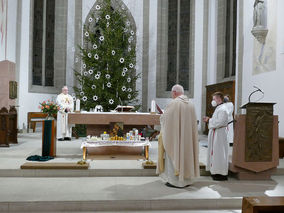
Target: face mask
pixel 214 103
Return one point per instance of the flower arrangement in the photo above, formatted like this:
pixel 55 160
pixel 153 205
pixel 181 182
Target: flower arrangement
pixel 49 107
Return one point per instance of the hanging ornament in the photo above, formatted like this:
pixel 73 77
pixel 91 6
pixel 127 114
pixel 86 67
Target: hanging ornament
pixel 107 76
pixel 109 85
pixel 128 80
pixel 97 76
pixel 123 88
pixel 111 101
pixel 102 38
pixel 84 66
pixel 86 34
pixel 95 46
pixel 129 96
pixel 123 73
pixel 90 19
pixel 94 86
pixel 113 52
pixel 131 65
pixel 95 98
pixel 129 90
pixel 107 17
pixel 132 32
pixel 96 56
pixel 81 93
pixel 121 60
pixel 85 98
pixel 89 55
pixel 91 72
pixel 125 69
pixel 85 73
pixel 98 7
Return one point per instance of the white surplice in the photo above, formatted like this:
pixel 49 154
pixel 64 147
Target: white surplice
pixel 218 146
pixel 63 129
pixel 230 108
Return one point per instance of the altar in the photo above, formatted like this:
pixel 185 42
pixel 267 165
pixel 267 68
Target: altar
pixel 100 122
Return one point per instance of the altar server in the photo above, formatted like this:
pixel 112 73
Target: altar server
pixel 218 146
pixel 179 139
pixel 65 101
pixel 230 108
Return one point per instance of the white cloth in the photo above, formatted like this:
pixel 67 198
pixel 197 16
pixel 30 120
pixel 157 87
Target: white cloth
pixel 230 108
pixel 169 174
pixel 63 129
pixel 218 146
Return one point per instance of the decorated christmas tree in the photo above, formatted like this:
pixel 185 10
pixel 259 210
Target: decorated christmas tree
pixel 108 76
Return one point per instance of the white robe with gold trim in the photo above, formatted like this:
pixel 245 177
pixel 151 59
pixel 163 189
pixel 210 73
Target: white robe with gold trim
pixel 63 129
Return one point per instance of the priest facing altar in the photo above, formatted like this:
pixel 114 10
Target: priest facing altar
pixel 178 162
pixel 65 101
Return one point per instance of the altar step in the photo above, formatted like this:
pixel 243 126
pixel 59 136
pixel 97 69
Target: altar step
pixel 124 205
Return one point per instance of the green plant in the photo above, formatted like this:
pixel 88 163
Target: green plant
pixel 108 77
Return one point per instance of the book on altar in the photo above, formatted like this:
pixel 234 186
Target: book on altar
pixel 124 108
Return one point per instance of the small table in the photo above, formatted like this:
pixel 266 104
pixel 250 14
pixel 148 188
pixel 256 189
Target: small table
pixel 106 143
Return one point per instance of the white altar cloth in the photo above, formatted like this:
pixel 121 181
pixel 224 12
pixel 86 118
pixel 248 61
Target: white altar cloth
pixel 102 143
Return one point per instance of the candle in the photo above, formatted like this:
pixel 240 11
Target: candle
pixel 153 106
pixel 78 105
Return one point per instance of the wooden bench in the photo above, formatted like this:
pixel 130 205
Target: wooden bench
pixel 33 118
pixel 263 204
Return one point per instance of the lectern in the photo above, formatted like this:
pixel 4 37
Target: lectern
pixel 256 146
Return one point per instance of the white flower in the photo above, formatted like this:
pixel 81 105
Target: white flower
pixel 85 73
pixel 98 7
pixel 129 90
pixel 94 86
pixel 129 96
pixel 132 32
pixel 96 56
pixel 111 101
pixel 84 65
pixel 86 34
pixel 123 73
pixel 128 23
pixel 125 30
pixel 89 55
pixel 107 17
pixel 121 60
pixel 113 52
pixel 95 98
pixel 123 88
pixel 95 46
pixel 81 93
pixel 97 76
pixel 84 98
pixel 102 38
pixel 128 80
pixel 90 19
pixel 109 85
pixel 91 72
pixel 107 76
pixel 125 69
pixel 131 65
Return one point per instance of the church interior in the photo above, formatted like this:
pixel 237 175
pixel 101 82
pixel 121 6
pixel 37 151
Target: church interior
pixel 86 88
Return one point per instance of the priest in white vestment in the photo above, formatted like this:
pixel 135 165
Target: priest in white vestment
pixel 65 101
pixel 230 108
pixel 218 146
pixel 179 164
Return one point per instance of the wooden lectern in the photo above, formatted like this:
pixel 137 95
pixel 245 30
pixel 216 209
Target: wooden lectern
pixel 256 146
pixel 49 138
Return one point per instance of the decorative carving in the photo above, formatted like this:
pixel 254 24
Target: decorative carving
pixel 259 132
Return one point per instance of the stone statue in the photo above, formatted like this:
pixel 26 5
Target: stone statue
pixel 258 13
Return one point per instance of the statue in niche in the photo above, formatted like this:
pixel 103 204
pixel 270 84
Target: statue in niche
pixel 258 13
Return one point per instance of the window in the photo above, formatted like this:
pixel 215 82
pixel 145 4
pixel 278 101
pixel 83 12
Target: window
pixel 48 45
pixel 43 43
pixel 175 46
pixel 226 39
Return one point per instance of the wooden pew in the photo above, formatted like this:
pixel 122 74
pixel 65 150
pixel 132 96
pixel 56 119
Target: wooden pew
pixel 263 204
pixel 33 118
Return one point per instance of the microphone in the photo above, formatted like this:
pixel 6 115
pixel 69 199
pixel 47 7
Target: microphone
pixel 258 89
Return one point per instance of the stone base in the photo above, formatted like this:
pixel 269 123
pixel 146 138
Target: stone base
pixel 244 174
